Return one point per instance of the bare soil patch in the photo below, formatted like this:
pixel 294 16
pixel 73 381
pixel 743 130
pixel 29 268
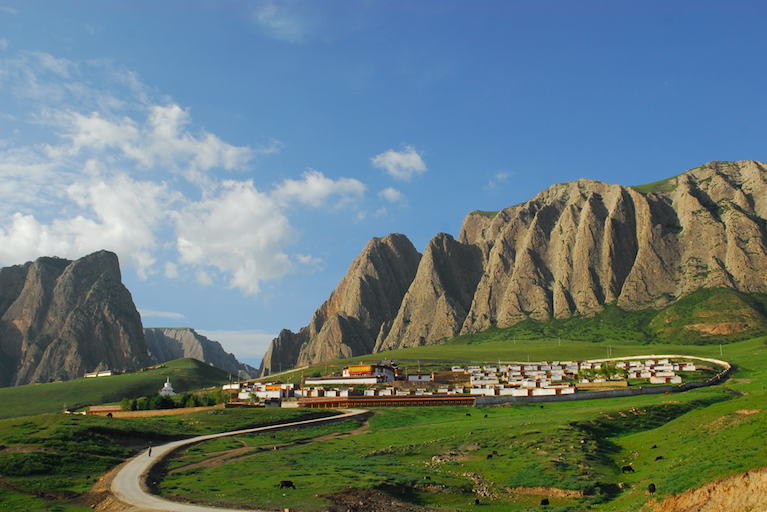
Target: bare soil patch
pixel 545 491
pixel 747 491
pixel 366 500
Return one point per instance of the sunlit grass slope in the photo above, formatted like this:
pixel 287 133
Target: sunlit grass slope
pixel 185 375
pixel 439 456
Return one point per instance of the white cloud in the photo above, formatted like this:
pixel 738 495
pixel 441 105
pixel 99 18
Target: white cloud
pixel 401 165
pixel 148 313
pixel 125 214
pixel 3 44
pixel 392 195
pixel 278 21
pixel 497 179
pixel 107 177
pixel 171 270
pixel 241 231
pixel 313 189
pixel 381 212
pixel 309 262
pixel 243 344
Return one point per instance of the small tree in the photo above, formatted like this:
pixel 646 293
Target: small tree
pixel 125 404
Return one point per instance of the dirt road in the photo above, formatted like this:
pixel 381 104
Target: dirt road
pixel 126 485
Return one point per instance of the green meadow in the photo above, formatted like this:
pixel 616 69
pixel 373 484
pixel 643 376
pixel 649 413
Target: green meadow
pixel 438 456
pixel 62 456
pixel 185 375
pixel 569 452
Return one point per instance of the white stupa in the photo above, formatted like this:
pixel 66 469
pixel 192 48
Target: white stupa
pixel 167 389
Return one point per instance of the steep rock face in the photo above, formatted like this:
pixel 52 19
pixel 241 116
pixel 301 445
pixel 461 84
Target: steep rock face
pixel 166 344
pixel 579 245
pixel 67 318
pixel 568 251
pixel 283 351
pixel 437 302
pixel 363 304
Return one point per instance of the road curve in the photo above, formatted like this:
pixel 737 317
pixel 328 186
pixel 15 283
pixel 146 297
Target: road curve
pixel 126 485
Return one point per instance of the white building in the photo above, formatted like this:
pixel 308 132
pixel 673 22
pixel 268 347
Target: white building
pixel 167 389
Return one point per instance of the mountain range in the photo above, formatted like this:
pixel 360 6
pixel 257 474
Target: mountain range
pixel 60 319
pixel 572 250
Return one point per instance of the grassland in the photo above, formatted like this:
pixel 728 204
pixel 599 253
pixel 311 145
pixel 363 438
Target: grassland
pixel 437 457
pixel 59 455
pixel 185 375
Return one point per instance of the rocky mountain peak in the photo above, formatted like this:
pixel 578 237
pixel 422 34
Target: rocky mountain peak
pixel 570 250
pixel 62 318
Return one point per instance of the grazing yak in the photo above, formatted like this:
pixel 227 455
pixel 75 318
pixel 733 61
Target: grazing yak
pixel 659 457
pixel 544 502
pixel 651 488
pixel 286 483
pixel 627 469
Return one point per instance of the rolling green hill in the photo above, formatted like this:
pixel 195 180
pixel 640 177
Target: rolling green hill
pixel 185 375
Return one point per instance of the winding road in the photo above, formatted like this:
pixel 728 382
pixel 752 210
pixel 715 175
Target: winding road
pixel 126 485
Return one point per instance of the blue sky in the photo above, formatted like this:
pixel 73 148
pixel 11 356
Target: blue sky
pixel 238 156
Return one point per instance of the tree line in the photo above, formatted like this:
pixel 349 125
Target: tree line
pixel 156 401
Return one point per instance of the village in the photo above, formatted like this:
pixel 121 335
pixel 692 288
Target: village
pixel 383 383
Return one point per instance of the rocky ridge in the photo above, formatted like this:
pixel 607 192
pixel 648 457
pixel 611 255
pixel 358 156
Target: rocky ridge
pixel 169 343
pixel 570 250
pixel 358 312
pixel 60 319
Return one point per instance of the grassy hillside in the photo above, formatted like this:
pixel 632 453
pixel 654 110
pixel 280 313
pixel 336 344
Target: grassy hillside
pixel 706 316
pixel 57 456
pixel 185 375
pixel 438 457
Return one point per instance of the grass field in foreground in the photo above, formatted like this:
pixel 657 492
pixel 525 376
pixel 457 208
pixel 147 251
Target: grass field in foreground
pixel 32 399
pixel 58 453
pixel 703 435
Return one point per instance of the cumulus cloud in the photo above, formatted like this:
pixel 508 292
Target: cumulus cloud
pixel 401 165
pixel 111 175
pixel 241 232
pixel 125 213
pixel 392 195
pixel 314 189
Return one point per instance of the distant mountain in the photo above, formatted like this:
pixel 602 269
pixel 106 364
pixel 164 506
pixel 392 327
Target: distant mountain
pixel 572 250
pixel 60 319
pixel 167 343
pixel 358 313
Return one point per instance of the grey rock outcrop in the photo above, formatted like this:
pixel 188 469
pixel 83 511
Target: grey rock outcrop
pixel 60 319
pixel 358 312
pixel 568 251
pixel 169 343
pixel 438 300
pixel 579 245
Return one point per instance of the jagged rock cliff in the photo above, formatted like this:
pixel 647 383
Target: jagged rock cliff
pixel 579 245
pixel 60 319
pixel 357 313
pixel 439 298
pixel 570 250
pixel 169 343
